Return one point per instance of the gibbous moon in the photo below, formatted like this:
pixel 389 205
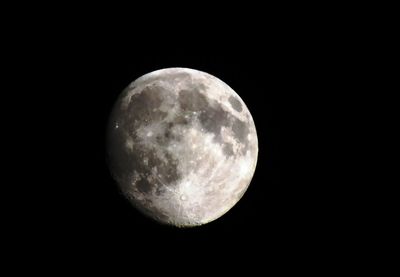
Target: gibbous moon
pixel 182 146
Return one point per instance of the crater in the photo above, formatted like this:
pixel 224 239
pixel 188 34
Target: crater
pixel 235 103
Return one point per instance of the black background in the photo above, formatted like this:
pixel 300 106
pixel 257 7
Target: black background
pixel 285 72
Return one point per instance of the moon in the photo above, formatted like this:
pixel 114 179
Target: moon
pixel 182 146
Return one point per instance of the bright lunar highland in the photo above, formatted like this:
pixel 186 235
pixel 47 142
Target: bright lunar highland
pixel 182 146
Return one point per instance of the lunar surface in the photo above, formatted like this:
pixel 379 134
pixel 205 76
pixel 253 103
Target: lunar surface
pixel 182 146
